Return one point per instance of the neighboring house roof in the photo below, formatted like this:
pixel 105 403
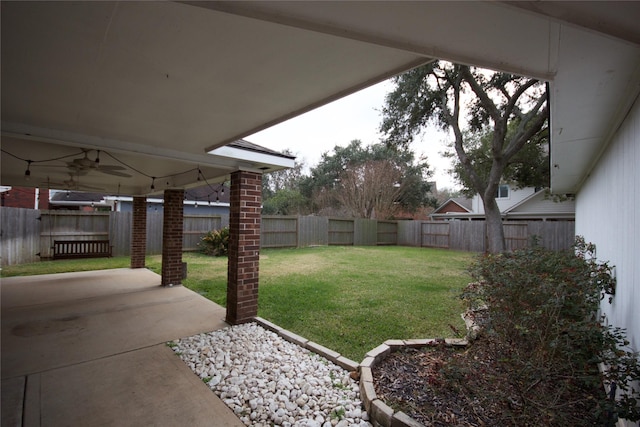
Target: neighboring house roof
pixel 455 204
pixel 541 203
pixel 535 206
pixel 76 196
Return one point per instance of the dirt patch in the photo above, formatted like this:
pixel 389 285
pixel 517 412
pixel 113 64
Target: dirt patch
pixel 442 385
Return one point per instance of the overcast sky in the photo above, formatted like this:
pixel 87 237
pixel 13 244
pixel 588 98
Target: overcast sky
pixel 356 116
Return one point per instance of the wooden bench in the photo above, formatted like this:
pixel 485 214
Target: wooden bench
pixel 68 249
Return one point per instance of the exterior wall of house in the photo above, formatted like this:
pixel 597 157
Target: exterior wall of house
pixel 542 204
pixel 452 207
pixel 19 197
pixel 615 182
pixel 23 197
pixel 515 196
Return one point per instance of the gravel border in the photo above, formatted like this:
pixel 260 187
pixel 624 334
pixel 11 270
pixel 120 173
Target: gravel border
pixel 268 376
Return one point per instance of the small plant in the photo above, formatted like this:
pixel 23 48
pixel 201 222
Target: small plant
pixel 542 312
pixel 215 242
pixel 338 413
pixel 337 382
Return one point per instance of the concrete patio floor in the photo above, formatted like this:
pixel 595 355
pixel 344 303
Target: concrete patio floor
pixel 88 349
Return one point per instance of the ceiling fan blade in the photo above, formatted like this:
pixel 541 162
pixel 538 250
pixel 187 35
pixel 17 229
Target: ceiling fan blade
pixel 114 173
pixel 112 167
pixel 82 187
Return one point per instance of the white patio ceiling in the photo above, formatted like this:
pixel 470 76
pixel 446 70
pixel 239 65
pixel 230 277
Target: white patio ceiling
pixel 158 84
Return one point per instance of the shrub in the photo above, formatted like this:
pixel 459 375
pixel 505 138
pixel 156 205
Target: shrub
pixel 215 242
pixel 542 310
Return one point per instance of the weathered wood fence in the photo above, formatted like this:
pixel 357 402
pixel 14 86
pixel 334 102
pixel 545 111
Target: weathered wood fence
pixel 285 231
pixel 27 235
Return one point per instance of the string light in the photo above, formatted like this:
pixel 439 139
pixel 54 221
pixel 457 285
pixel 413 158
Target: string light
pixel 219 191
pixel 27 173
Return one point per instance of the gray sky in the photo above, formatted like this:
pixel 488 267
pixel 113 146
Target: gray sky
pixel 356 116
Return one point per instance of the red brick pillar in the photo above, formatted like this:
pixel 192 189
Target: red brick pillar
pixel 172 238
pixel 244 246
pixel 139 232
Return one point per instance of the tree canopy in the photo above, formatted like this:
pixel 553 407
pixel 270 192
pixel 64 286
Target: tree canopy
pixel 494 117
pixel 373 181
pixel 528 168
pixel 281 193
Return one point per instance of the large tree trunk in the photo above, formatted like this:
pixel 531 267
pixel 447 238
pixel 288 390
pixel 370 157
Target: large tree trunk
pixel 495 232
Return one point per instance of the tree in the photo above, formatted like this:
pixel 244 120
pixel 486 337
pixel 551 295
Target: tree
pixel 442 195
pixel 528 168
pixel 280 191
pixel 373 189
pixel 368 182
pixel 513 110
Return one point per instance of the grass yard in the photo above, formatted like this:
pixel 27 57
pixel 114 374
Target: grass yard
pixel 349 299
pixel 65 266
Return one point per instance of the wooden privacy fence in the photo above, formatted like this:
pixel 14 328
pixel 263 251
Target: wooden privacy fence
pixel 471 235
pixel 28 233
pixel 301 231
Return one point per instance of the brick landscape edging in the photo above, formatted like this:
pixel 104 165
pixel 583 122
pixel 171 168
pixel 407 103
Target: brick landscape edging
pixel 380 414
pixel 332 356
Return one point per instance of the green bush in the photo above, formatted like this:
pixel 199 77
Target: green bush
pixel 542 310
pixel 215 242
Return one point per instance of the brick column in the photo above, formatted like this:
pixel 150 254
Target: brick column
pixel 139 232
pixel 172 238
pixel 244 246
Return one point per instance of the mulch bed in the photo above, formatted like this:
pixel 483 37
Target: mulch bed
pixel 441 385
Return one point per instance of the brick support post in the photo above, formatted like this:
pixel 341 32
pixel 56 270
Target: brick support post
pixel 172 238
pixel 244 246
pixel 139 232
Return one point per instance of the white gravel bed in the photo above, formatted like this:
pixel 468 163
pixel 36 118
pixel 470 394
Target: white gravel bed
pixel 267 380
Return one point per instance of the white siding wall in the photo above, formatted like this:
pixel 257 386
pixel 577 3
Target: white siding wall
pixel 515 197
pixel 542 204
pixel 608 215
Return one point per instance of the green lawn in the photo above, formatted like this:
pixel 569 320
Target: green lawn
pixel 349 299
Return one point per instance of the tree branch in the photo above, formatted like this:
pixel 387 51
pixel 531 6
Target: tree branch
pixel 516 96
pixel 527 128
pixel 488 104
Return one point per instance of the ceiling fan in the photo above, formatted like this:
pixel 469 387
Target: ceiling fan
pixel 70 184
pixel 84 165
